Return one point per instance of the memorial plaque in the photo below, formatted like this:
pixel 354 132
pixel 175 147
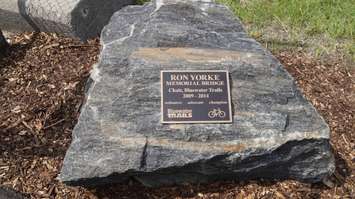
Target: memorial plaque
pixel 195 96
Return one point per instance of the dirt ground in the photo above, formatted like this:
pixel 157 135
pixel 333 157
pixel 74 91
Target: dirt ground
pixel 42 80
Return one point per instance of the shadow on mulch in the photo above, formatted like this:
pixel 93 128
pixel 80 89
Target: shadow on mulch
pixel 17 51
pixel 230 189
pixel 342 170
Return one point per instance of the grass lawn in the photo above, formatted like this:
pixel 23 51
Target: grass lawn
pixel 325 26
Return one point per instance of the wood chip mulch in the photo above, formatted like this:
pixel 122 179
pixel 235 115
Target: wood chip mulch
pixel 42 79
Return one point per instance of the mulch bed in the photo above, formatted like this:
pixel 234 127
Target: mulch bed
pixel 42 81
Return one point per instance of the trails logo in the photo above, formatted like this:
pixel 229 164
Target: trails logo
pixel 216 113
pixel 179 113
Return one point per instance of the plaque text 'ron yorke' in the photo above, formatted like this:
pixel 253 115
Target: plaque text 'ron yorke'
pixel 195 96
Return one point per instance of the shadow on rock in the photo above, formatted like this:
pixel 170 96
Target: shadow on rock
pixel 7 193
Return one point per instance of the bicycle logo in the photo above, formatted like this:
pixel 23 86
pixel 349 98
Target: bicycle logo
pixel 216 113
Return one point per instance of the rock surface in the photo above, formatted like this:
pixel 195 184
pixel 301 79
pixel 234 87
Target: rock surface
pixel 276 133
pixel 76 18
pixel 7 193
pixel 3 43
pixel 11 19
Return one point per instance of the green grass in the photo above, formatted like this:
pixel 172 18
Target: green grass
pixel 335 18
pixel 323 26
pixel 141 2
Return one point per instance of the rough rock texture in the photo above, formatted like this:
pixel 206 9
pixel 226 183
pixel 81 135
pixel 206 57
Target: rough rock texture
pixel 276 133
pixel 79 18
pixel 10 17
pixel 3 43
pixel 7 193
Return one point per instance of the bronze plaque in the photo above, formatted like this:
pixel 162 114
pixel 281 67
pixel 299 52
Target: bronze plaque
pixel 195 96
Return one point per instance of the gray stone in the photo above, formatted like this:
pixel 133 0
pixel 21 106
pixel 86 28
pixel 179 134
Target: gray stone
pixel 3 43
pixel 8 193
pixel 76 18
pixel 276 132
pixel 11 19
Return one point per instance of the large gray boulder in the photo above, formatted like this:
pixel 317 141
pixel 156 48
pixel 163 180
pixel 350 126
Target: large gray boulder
pixel 76 18
pixel 276 132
